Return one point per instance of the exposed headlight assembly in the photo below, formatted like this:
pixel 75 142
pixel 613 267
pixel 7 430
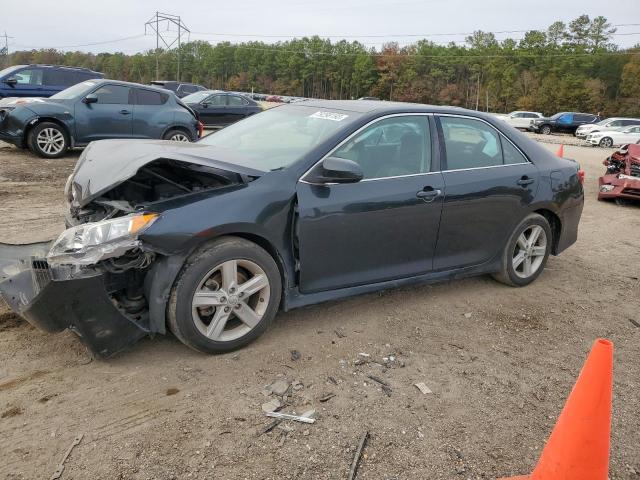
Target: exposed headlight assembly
pixel 90 243
pixel 606 188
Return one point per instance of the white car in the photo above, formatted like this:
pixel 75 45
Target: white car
pixel 520 119
pixel 614 138
pixel 607 124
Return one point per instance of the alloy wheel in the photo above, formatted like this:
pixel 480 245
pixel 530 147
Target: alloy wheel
pixel 546 130
pixel 179 137
pixel 51 141
pixel 606 142
pixel 529 251
pixel 231 300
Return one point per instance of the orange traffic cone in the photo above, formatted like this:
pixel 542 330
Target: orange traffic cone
pixel 560 151
pixel 578 448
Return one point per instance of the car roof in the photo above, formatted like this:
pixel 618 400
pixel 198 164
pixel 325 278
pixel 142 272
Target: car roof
pixel 48 65
pixel 370 106
pixel 101 81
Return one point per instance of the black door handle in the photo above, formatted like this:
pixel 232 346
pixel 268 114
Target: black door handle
pixel 524 181
pixel 125 112
pixel 429 194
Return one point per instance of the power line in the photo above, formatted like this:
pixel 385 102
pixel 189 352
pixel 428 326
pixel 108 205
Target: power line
pixel 116 40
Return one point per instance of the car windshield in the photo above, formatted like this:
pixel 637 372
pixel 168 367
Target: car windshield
pixel 278 137
pixel 75 91
pixel 196 97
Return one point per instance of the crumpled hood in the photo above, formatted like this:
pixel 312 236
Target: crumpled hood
pixel 107 163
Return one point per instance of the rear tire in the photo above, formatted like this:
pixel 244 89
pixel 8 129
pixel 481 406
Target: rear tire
pixel 226 296
pixel 176 135
pixel 48 140
pixel 526 252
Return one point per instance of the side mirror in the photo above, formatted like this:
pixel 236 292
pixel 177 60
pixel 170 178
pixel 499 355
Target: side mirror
pixel 205 105
pixel 338 170
pixel 13 81
pixel 91 98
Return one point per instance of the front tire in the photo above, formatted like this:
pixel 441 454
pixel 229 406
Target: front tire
pixel 526 252
pixel 48 140
pixel 226 296
pixel 545 130
pixel 606 142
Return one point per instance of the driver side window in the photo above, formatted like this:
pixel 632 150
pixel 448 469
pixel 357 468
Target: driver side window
pixel 392 147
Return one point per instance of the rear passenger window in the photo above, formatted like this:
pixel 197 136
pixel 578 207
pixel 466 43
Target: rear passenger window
pixel 470 143
pixel 392 147
pixel 112 94
pixel 31 76
pixel 510 153
pixel 147 97
pixel 235 101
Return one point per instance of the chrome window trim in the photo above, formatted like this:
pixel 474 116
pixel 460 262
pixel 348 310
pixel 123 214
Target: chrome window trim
pixel 501 135
pixel 372 122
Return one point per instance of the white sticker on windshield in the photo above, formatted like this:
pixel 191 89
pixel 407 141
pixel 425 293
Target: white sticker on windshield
pixel 335 117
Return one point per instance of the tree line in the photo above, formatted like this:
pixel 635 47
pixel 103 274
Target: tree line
pixel 568 67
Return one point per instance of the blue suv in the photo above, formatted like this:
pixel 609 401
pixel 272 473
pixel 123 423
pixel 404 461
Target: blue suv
pixel 41 80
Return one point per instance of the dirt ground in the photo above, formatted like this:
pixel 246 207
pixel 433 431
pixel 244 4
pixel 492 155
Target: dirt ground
pixel 499 361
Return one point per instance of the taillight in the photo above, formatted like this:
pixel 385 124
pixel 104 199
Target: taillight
pixel 581 176
pixel 200 129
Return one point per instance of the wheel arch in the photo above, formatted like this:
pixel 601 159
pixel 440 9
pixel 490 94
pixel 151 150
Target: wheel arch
pixel 180 127
pixel 38 120
pixel 556 226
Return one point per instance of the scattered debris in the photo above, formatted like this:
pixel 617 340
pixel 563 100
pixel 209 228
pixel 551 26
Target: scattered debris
pixel 339 333
pixel 364 355
pixel 423 388
pixel 332 380
pixel 378 380
pixel 58 473
pixel 467 315
pixel 296 418
pixel 279 388
pixel 271 426
pixel 327 397
pixel 271 406
pixel 386 388
pixel 12 412
pixel 295 355
pixel 634 322
pixel 356 458
pixel 297 386
pixel 172 391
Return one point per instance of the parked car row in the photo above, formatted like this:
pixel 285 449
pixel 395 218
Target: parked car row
pixel 216 108
pixel 96 110
pixel 41 80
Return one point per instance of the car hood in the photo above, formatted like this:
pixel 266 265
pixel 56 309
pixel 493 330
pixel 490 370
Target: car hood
pixel 107 163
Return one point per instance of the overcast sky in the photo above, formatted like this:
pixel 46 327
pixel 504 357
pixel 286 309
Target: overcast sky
pixel 73 22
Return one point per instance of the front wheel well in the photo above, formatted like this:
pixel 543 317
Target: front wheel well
pixel 39 120
pixel 556 227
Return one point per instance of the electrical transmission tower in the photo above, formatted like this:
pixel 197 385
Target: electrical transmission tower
pixel 167 35
pixel 4 50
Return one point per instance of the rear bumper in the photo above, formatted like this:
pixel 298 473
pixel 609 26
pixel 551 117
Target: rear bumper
pixel 53 300
pixel 570 219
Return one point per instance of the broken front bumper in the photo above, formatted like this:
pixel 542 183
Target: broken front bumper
pixel 54 299
pixel 611 186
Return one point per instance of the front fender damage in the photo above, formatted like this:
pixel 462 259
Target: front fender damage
pixel 105 309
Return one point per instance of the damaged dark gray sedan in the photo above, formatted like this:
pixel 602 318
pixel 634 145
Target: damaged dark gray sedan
pixel 297 205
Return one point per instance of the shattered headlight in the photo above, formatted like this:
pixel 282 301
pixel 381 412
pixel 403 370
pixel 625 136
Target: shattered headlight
pixel 606 188
pixel 92 242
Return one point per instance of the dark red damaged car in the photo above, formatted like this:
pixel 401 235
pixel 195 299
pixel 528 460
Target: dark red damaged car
pixel 621 182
